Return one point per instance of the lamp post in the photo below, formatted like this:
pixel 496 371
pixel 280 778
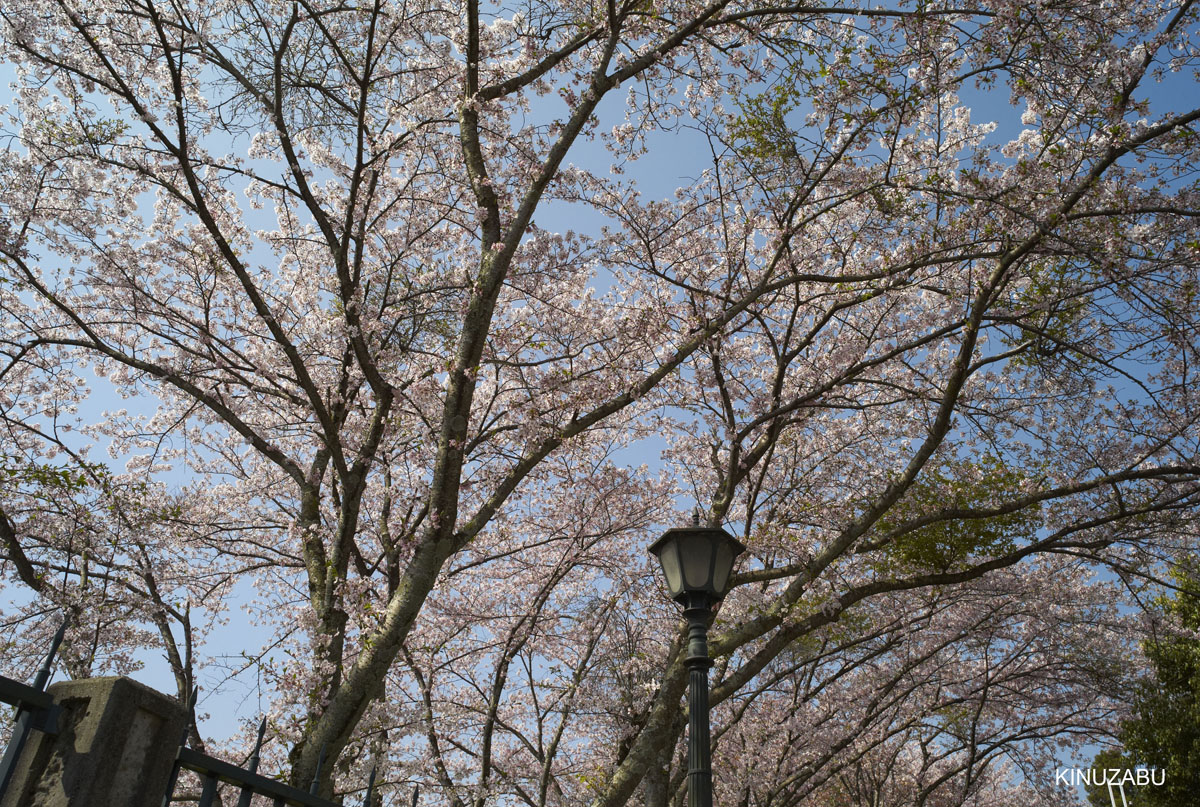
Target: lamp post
pixel 696 562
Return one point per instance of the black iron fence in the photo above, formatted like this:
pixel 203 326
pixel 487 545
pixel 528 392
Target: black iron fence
pixel 35 710
pixel 248 780
pixel 250 783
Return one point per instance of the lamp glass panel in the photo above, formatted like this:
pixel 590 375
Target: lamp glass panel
pixel 724 564
pixel 669 558
pixel 697 560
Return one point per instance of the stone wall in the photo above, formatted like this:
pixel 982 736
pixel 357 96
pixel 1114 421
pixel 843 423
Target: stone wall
pixel 115 747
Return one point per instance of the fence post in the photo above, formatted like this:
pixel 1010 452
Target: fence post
pixel 370 786
pixel 115 747
pixel 183 738
pixel 247 793
pixel 316 782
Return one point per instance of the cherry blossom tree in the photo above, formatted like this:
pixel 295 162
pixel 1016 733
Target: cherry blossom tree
pixel 935 370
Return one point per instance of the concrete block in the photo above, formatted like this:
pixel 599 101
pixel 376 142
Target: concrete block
pixel 115 747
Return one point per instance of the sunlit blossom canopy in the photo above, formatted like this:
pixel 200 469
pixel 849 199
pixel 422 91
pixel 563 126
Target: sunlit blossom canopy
pixel 349 350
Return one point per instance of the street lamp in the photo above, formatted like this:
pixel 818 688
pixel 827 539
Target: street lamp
pixel 697 562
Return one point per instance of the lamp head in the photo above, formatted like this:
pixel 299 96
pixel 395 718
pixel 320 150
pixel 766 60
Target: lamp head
pixel 697 561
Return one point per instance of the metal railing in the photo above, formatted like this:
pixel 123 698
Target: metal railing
pixel 213 771
pixel 35 710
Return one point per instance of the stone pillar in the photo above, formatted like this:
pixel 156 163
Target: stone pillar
pixel 115 747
